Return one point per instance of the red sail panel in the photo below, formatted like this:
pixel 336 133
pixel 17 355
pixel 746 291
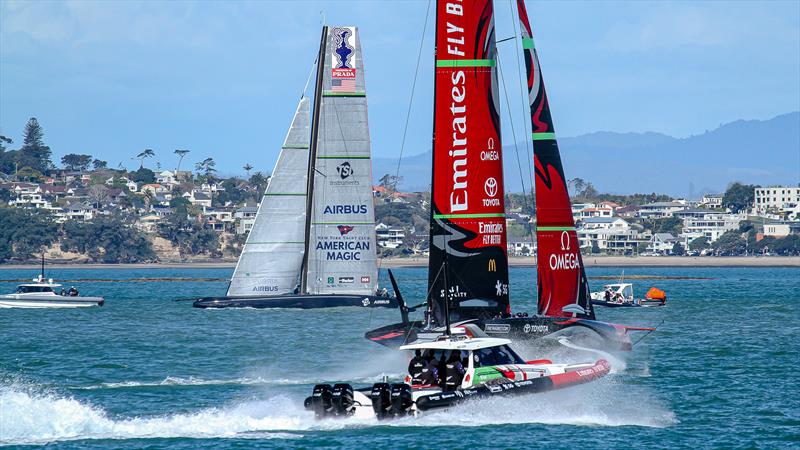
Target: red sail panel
pixel 468 236
pixel 563 288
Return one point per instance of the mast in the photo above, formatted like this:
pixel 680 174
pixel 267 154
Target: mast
pixel 563 290
pixel 41 277
pixel 313 156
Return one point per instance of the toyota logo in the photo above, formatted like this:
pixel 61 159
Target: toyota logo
pixel 490 187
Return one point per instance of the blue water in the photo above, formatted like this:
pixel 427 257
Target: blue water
pixel 145 371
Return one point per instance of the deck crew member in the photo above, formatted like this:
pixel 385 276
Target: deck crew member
pixel 454 372
pixel 416 366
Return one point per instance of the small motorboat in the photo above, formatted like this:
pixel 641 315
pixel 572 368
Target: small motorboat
pixel 486 367
pixel 41 293
pixel 618 295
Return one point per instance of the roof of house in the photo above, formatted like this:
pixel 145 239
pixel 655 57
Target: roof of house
pixel 603 220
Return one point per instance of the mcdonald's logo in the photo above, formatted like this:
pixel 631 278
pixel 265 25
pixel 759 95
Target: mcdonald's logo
pixel 492 265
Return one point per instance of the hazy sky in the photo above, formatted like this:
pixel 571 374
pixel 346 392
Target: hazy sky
pixel 222 79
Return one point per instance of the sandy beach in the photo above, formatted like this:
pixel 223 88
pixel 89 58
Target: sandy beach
pixel 590 261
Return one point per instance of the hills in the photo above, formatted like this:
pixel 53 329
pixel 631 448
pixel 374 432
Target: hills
pixel 761 152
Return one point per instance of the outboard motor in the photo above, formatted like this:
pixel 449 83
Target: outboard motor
pixel 321 400
pixel 381 399
pixel 342 399
pixel 401 399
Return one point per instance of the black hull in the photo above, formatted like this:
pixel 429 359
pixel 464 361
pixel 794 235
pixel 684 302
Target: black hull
pixel 297 301
pixel 615 305
pixel 525 330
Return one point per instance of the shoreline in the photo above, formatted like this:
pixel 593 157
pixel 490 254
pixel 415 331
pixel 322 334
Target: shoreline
pixel 390 263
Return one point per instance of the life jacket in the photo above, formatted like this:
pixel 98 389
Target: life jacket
pixel 429 373
pixel 415 369
pixel 454 373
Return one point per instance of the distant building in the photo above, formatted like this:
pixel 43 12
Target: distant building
pixel 389 237
pixel 781 229
pixel 611 234
pixel 710 225
pixel 660 210
pixel 245 218
pixel 711 201
pixel 776 197
pixel 521 246
pixel 662 243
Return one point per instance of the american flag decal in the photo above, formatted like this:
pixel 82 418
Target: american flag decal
pixel 343 85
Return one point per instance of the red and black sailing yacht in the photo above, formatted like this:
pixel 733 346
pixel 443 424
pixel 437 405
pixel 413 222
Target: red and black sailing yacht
pixel 468 266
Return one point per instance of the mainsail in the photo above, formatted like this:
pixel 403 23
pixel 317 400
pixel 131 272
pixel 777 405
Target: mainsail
pixel 563 288
pixel 468 263
pixel 342 245
pixel 271 257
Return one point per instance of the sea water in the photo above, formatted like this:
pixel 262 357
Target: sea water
pixel 147 371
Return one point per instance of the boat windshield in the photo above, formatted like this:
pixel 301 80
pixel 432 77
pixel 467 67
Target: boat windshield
pixel 31 289
pixel 495 356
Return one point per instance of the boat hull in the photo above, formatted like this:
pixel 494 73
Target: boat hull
pixel 524 330
pixel 364 403
pixel 615 305
pixel 297 301
pixel 55 301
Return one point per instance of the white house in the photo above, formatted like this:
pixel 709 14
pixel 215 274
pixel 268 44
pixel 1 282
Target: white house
pixel 521 247
pixel 389 237
pixel 659 210
pixel 711 225
pixel 662 243
pixel 245 217
pixel 610 234
pixel 776 197
pixel 168 178
pixel 711 201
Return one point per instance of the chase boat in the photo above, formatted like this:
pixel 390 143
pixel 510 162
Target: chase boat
pixel 41 293
pixel 490 368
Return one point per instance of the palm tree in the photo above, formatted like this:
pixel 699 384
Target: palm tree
pixel 147 153
pixel 181 153
pixel 247 168
pixel 206 168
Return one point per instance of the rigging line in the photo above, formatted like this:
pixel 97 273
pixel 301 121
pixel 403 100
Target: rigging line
pixel 408 111
pixel 513 133
pixel 308 80
pixel 648 333
pixel 522 91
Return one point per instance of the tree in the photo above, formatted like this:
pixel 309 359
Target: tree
pixel 28 173
pixel 247 168
pixel 34 153
pixel 699 243
pixel 143 175
pixel 678 249
pixel 147 153
pixel 730 243
pixel 6 158
pixel 390 183
pixel 73 161
pixel 206 168
pixel 739 196
pixel 259 182
pixel 99 164
pixel 672 225
pixel 181 153
pixel 98 195
pixel 595 248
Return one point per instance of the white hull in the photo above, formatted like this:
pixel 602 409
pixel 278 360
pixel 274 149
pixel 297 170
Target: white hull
pixel 53 301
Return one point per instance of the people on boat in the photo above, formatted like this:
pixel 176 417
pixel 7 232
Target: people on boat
pixel 430 373
pixel 607 294
pixel 454 372
pixel 416 367
pixel 73 292
pixel 63 292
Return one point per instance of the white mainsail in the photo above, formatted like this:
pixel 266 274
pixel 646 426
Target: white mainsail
pixel 271 258
pixel 342 247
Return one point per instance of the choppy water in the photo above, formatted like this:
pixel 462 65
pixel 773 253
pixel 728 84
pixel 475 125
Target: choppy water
pixel 145 371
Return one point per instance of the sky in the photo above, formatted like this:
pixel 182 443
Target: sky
pixel 222 79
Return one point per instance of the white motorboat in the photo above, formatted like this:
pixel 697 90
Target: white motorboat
pixel 621 294
pixel 44 293
pixel 471 368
